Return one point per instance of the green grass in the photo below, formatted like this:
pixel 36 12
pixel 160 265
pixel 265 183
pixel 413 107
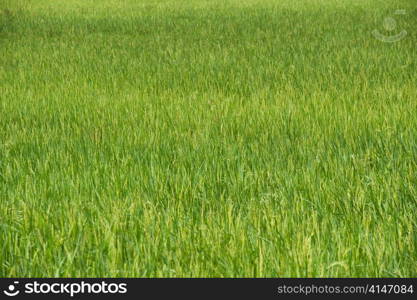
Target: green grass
pixel 207 138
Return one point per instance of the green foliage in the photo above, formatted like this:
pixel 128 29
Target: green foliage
pixel 207 138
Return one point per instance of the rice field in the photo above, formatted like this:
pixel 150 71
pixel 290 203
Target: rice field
pixel 221 138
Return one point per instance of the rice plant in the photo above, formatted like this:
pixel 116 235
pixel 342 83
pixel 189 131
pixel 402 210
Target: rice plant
pixel 221 138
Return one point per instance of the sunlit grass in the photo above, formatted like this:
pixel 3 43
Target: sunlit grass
pixel 207 138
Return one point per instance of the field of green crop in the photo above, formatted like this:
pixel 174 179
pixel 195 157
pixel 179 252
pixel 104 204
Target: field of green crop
pixel 208 138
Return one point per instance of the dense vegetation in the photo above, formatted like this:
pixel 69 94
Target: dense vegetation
pixel 207 138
